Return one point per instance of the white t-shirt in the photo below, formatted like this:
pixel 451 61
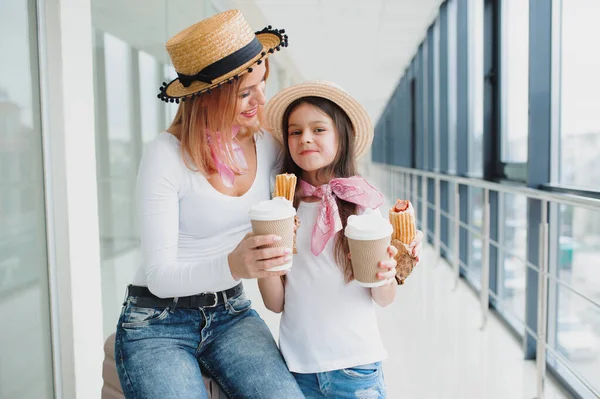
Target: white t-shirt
pixel 187 227
pixel 326 324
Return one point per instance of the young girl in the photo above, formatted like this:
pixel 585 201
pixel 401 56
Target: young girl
pixel 328 332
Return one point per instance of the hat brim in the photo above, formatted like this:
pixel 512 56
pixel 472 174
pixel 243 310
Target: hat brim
pixel 270 41
pixel 361 122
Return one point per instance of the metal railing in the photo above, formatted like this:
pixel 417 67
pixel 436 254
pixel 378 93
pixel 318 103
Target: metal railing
pixel 395 180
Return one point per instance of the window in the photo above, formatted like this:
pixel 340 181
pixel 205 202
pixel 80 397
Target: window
pixel 580 103
pixel 452 87
pixel 151 107
pixel 515 80
pixel 436 96
pixel 451 102
pixel 117 162
pixel 26 360
pixel 475 69
pixel 170 108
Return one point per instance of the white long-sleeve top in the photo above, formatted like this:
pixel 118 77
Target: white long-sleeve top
pixel 187 227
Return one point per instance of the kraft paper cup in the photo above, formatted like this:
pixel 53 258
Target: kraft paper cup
pixel 275 217
pixel 366 255
pixel 369 236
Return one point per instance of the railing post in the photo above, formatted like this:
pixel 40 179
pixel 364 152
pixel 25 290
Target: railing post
pixel 438 221
pixel 401 179
pixel 485 259
pixel 415 188
pixel 542 301
pixel 391 187
pixel 456 234
pixel 425 207
pixel 408 184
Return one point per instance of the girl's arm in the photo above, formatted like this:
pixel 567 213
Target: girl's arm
pixel 384 295
pixel 272 290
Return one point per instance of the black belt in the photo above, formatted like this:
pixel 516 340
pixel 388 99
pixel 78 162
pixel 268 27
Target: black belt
pixel 146 299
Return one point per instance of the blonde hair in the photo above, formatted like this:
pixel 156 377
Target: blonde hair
pixel 198 119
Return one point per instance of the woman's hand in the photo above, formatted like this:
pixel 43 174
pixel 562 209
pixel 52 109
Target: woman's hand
pixel 248 260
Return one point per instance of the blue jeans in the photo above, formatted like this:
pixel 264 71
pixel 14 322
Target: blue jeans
pixel 160 352
pixel 360 382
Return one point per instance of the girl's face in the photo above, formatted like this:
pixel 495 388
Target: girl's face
pixel 312 139
pixel 251 95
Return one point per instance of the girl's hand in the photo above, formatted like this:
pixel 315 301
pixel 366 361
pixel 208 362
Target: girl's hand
pixel 385 294
pixel 248 260
pixel 387 268
pixel 414 248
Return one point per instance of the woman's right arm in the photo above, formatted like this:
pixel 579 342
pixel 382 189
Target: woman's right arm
pixel 158 187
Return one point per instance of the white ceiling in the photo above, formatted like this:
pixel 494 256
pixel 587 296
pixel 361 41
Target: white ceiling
pixel 362 45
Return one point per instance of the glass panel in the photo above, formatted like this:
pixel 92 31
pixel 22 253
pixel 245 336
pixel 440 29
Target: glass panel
pixel 170 108
pixel 512 266
pixel 420 204
pixel 580 119
pixel 575 322
pixel 451 222
pixel 476 244
pixel 117 173
pixel 475 68
pixel 26 359
pixel 150 106
pixel 452 81
pixel 422 107
pixel 431 210
pixel 515 80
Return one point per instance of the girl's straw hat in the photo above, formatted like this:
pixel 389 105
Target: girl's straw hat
pixel 361 122
pixel 216 50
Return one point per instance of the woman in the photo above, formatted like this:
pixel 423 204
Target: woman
pixel 186 309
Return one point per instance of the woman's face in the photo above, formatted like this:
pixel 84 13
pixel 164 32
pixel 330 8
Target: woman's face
pixel 251 95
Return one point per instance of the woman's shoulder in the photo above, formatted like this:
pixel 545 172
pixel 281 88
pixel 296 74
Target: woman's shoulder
pixel 163 155
pixel 166 141
pixel 164 145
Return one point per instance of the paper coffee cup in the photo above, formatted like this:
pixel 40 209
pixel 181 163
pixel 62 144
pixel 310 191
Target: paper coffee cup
pixel 276 217
pixel 369 237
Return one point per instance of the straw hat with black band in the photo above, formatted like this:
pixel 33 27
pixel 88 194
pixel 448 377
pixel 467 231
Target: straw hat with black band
pixel 216 51
pixel 361 122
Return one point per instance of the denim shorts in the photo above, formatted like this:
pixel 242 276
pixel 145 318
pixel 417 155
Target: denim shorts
pixel 160 352
pixel 360 382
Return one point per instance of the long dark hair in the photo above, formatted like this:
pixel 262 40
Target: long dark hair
pixel 343 165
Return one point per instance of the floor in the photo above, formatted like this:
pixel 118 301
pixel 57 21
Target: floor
pixel 432 332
